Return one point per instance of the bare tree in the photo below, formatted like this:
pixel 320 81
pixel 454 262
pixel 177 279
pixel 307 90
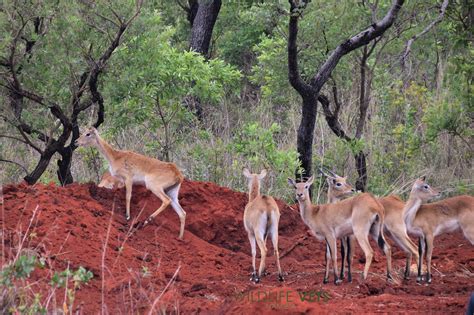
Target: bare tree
pixel 310 90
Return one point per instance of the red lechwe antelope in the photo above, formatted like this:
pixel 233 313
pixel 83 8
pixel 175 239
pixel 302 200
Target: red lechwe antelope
pixel 110 182
pixel 261 217
pixel 338 189
pixel 394 222
pixel 429 220
pixel 163 179
pixel 360 215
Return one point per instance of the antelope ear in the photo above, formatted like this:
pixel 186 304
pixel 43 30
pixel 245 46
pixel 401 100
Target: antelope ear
pixel 330 180
pixel 246 173
pixel 263 173
pixel 291 182
pixel 423 178
pixel 310 180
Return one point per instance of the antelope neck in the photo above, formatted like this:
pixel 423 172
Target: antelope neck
pixel 411 208
pixel 106 149
pixel 305 209
pixel 254 189
pixel 331 197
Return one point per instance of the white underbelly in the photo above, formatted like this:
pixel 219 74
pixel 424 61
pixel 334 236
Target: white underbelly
pixel 447 226
pixel 139 178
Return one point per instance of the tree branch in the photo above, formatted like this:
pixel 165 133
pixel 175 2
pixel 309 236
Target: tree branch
pixel 294 75
pixel 16 163
pixel 408 45
pixel 356 41
pixel 331 119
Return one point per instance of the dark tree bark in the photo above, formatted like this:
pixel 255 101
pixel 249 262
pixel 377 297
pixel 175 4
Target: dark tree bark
pixel 315 84
pixel 202 16
pixel 68 123
pixel 203 25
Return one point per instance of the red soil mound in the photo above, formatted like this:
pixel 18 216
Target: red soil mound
pixel 82 225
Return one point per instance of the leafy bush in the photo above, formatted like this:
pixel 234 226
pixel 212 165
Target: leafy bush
pixel 17 295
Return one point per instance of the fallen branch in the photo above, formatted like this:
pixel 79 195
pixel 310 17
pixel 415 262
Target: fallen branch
pixel 299 242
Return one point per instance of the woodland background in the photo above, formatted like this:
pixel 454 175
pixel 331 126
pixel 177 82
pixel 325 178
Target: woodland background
pixel 214 86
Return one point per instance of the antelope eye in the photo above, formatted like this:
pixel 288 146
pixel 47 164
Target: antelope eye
pixel 426 187
pixel 306 187
pixel 88 134
pixel 338 184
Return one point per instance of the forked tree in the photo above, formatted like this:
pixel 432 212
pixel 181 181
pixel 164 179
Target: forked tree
pixel 309 89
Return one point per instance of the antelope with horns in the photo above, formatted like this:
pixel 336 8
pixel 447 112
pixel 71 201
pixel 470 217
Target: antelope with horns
pixel 110 182
pixel 360 215
pixel 163 179
pixel 429 220
pixel 261 217
pixel 394 222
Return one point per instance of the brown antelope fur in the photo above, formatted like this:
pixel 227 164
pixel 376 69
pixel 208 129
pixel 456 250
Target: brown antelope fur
pixel 339 189
pixel 163 179
pixel 394 222
pixel 360 215
pixel 430 220
pixel 261 217
pixel 110 182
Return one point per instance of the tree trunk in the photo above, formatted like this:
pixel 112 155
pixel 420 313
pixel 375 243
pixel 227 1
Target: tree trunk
pixel 64 166
pixel 202 15
pixel 42 165
pixel 361 166
pixel 306 134
pixel 203 25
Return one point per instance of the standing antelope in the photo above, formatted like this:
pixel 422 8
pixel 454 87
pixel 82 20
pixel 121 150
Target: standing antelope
pixel 261 217
pixel 110 182
pixel 338 189
pixel 360 215
pixel 394 222
pixel 163 179
pixel 429 220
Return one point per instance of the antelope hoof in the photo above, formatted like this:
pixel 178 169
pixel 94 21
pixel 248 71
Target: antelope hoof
pixel 280 278
pixel 428 278
pixel 255 278
pixel 265 273
pixel 389 276
pixel 337 281
pixel 419 279
pixel 326 280
pixel 127 218
pixel 349 278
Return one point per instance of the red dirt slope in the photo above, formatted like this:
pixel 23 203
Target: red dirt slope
pixel 75 226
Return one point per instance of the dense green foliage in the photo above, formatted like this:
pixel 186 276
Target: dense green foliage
pixel 419 121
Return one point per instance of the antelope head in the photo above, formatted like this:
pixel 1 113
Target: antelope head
pixel 301 189
pixel 422 190
pixel 88 138
pixel 254 182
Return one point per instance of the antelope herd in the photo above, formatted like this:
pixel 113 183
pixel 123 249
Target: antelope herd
pixel 348 216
